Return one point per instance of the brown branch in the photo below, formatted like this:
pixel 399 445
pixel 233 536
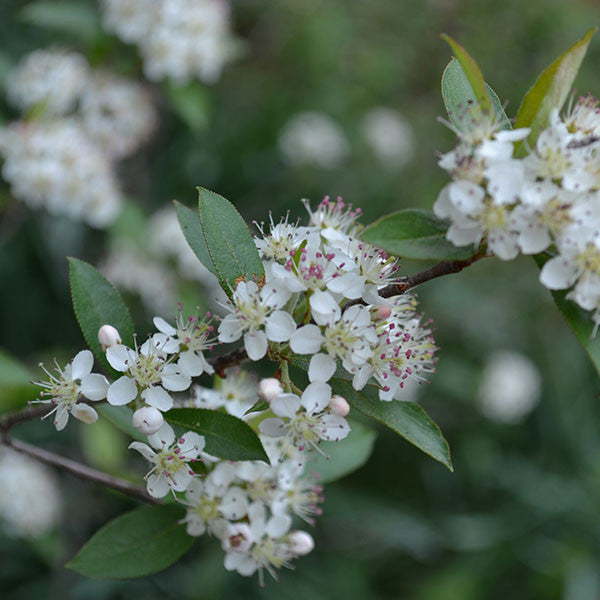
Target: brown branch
pixel 445 267
pixel 66 464
pixel 220 363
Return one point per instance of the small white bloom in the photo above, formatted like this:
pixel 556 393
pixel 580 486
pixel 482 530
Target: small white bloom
pixel 108 336
pixel 269 389
pixel 300 543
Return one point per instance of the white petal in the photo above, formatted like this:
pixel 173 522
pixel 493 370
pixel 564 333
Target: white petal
pixel 272 427
pixel 362 376
pixel 230 329
pixel 323 307
pixel 191 364
pixel 84 413
pixel 255 343
pixel 120 357
pixel 144 450
pixel 333 429
pixel 181 478
pixel 165 436
pixel 286 405
pixel 157 397
pixel 278 525
pixel 558 273
pixel 192 444
pixel 306 340
pixel 316 397
pixel 61 418
pixel 534 240
pixel 163 326
pixel 82 364
pixel 349 284
pixel 122 391
pixel 94 386
pixel 158 486
pixel 321 368
pixel 173 380
pixel 279 326
pixel 466 196
pixel 195 525
pixel 234 505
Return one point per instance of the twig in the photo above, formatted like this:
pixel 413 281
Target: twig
pixel 220 363
pixel 66 464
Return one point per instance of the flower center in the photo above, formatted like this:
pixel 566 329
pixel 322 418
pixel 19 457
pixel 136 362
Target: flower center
pixel 207 508
pixel 261 489
pixel 168 462
pixel 147 370
pixel 589 259
pixel 494 217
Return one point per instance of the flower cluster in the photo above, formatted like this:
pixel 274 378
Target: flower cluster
pixel 180 39
pixel 320 298
pixel 546 200
pixel 78 123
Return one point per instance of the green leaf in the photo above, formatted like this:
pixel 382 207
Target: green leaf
pixel 343 457
pixel 459 96
pixel 73 18
pixel 226 436
pixel 15 383
pixel 190 224
pixel 96 302
pixel 407 419
pixel 414 233
pixel 230 245
pixel 551 89
pixel 579 320
pixel 191 103
pixel 472 72
pixel 259 406
pixel 136 544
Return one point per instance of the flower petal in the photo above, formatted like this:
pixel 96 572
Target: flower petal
pixel 144 450
pixel 286 405
pixel 120 357
pixel 272 427
pixel 84 413
pixel 158 486
pixel 306 340
pixel 157 397
pixel 322 367
pixel 94 386
pixel 280 325
pixel 316 396
pixel 82 364
pixel 163 326
pixel 122 391
pixel 256 344
pixel 558 273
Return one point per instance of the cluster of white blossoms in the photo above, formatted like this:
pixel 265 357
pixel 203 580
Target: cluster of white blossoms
pixel 77 123
pixel 179 39
pixel 546 201
pixel 319 298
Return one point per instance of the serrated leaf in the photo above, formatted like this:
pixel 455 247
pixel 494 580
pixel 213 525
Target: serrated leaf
pixel 73 18
pixel 228 239
pixel 407 419
pixel 121 418
pixel 414 233
pixel 97 302
pixel 472 72
pixel 343 457
pixel 259 406
pixel 579 320
pixel 458 96
pixel 551 89
pixel 226 436
pixel 191 102
pixel 136 544
pixel 189 221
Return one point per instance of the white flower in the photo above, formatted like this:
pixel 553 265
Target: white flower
pixel 253 309
pixel 269 551
pixel 306 420
pixel 171 470
pixel 190 338
pixel 313 139
pixel 148 372
pixel 108 336
pixel 208 502
pixel 510 387
pixel 390 136
pixel 66 389
pixel 281 241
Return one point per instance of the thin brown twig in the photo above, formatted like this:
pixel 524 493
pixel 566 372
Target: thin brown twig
pixel 8 421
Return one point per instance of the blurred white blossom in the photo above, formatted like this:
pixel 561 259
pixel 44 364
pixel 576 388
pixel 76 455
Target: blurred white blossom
pixel 510 387
pixel 389 135
pixel 313 139
pixel 30 501
pixel 179 39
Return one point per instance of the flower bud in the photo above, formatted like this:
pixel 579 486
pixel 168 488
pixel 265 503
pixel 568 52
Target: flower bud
pixel 147 420
pixel 338 406
pixel 108 336
pixel 300 543
pixel 269 389
pixel 381 312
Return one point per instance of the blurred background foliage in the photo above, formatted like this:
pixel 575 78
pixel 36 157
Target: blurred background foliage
pixel 520 516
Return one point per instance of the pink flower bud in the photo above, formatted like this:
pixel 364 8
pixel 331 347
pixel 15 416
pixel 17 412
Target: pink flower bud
pixel 269 389
pixel 300 543
pixel 108 336
pixel 147 420
pixel 338 406
pixel 381 312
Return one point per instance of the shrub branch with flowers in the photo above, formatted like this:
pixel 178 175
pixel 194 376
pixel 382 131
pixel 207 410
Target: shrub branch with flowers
pixel 325 305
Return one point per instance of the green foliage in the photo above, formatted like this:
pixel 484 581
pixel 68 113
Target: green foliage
pixel 343 457
pixel 15 383
pixel 414 233
pixel 190 224
pixel 228 239
pixel 458 96
pixel 226 436
pixel 551 89
pixel 191 102
pixel 120 417
pixel 96 302
pixel 472 72
pixel 136 544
